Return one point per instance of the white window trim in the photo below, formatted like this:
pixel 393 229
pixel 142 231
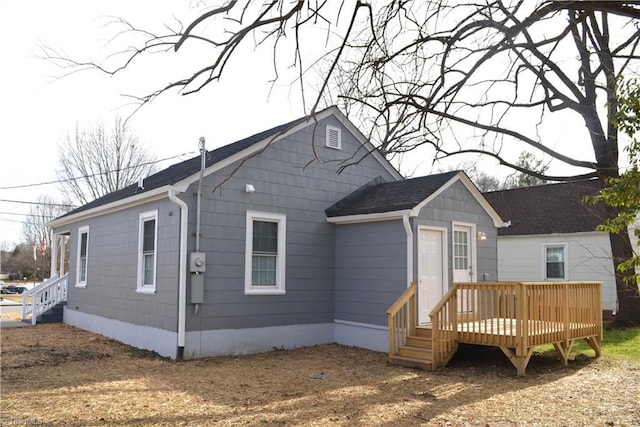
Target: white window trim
pixel 565 247
pixel 141 287
pixel 328 131
pixel 82 230
pixel 279 289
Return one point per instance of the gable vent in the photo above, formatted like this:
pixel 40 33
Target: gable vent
pixel 334 138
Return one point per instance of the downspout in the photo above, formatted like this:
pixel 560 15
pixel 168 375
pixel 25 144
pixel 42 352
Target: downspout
pixel 407 228
pixel 182 271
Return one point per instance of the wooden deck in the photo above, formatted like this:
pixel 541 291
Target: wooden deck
pixel 514 316
pixel 508 328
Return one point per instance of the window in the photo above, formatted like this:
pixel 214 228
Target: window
pixel 83 256
pixel 555 262
pixel 334 138
pixel 460 250
pixel 147 244
pixel 265 254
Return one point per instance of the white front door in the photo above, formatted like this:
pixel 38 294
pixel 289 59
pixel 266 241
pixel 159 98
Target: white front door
pixel 464 261
pixel 463 257
pixel 432 282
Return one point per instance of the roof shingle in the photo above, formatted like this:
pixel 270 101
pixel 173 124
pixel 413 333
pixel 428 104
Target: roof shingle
pixel 548 209
pixel 380 197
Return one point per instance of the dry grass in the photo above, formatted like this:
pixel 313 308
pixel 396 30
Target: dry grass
pixel 17 298
pixel 11 316
pixel 59 375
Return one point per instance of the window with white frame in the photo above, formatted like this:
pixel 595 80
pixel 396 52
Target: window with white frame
pixel 83 256
pixel 333 137
pixel 147 251
pixel 265 253
pixel 555 261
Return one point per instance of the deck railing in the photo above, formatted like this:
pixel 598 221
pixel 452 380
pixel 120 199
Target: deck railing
pixel 444 327
pixel 41 298
pixel 475 307
pixel 517 316
pixel 402 318
pixel 555 312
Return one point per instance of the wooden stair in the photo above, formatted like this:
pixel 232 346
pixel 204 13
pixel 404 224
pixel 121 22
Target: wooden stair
pixel 417 352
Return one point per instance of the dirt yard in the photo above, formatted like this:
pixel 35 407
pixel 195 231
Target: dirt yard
pixel 58 375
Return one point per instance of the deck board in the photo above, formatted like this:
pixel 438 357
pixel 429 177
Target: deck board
pixel 508 327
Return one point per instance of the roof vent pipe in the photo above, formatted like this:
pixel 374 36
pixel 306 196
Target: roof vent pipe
pixel 203 160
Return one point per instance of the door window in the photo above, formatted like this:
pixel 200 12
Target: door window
pixel 460 250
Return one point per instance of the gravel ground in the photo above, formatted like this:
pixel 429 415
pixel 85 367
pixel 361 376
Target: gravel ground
pixel 59 375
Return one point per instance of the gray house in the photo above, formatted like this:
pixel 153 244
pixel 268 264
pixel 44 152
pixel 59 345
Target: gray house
pixel 285 247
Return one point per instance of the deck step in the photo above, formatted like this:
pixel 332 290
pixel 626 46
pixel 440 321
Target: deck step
pixel 424 331
pixel 416 352
pixel 416 341
pixel 411 362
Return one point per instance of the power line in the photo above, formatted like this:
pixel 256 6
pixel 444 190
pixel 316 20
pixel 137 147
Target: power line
pixel 11 220
pixel 37 203
pixel 14 213
pixel 57 181
pixel 23 214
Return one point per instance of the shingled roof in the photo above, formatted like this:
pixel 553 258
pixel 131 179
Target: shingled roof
pixel 548 209
pixel 380 197
pixel 179 171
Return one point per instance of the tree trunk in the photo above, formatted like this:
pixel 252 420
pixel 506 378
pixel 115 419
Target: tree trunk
pixel 628 313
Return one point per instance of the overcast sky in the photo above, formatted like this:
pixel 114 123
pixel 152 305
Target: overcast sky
pixel 39 110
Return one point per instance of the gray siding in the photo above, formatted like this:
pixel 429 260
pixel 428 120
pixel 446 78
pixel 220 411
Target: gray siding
pixel 112 268
pixel 371 270
pixel 287 180
pixel 456 203
pixel 371 263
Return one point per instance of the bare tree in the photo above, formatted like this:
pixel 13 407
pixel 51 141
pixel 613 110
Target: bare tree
pixel 36 232
pixel 4 255
pixel 34 228
pixel 20 263
pixel 483 180
pixel 529 162
pixel 487 182
pixel 96 161
pixel 461 77
pixel 497 74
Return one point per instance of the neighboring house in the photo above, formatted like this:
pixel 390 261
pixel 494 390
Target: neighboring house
pixel 292 250
pixel 552 236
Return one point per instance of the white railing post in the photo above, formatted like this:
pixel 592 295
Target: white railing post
pixel 44 296
pixel 25 298
pixel 33 309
